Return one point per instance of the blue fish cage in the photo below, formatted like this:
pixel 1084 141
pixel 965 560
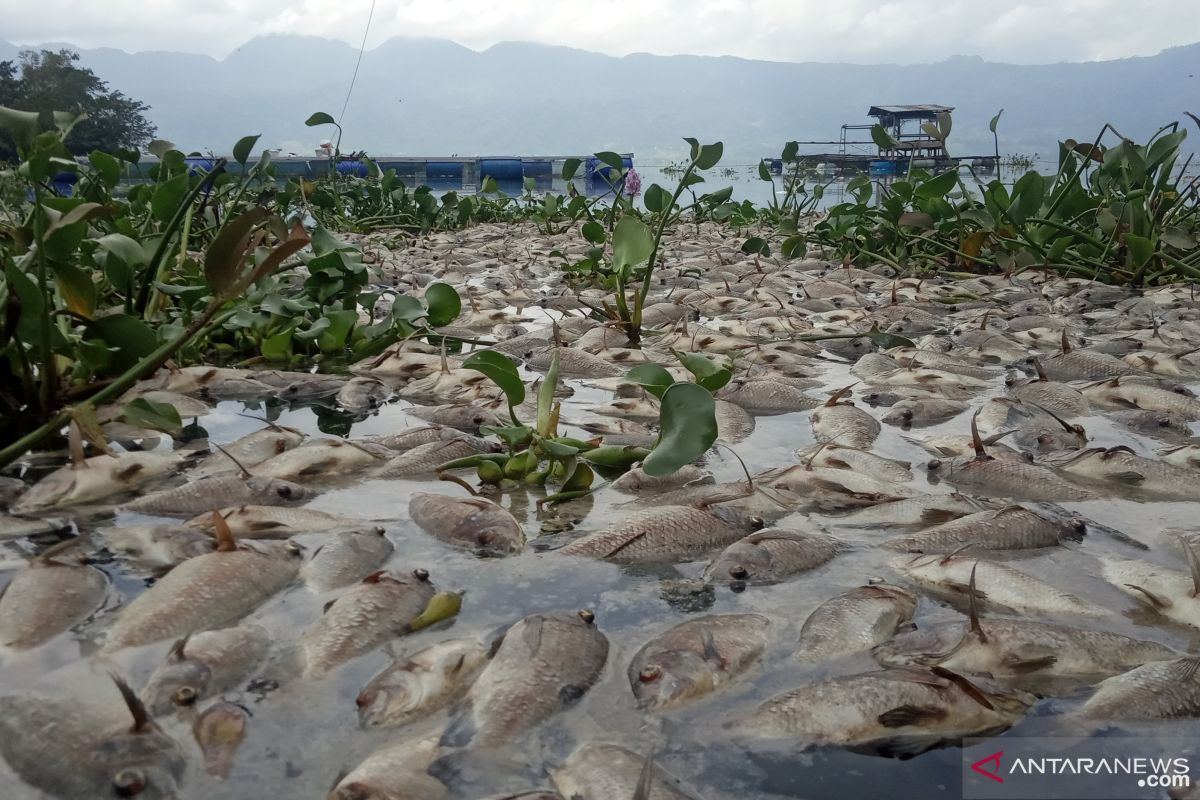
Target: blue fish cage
pixel 64 182
pixel 881 169
pixel 506 172
pixel 353 167
pixel 444 174
pixel 540 170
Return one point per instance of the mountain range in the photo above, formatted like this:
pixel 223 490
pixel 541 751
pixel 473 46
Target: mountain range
pixel 435 97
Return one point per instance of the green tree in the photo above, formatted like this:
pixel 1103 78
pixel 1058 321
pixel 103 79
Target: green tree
pixel 49 81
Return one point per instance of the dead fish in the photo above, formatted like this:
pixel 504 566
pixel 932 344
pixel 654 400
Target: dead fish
pixel 345 558
pixel 195 497
pixel 310 387
pixel 466 418
pixel 636 481
pixel 319 457
pixel 695 658
pixel 1119 395
pixel 601 771
pixel 1009 528
pixel 922 511
pixel 415 686
pixel 829 490
pixel 841 422
pixel 52 594
pixel 836 456
pixel 1058 397
pixel 734 423
pixel 75 751
pixel 396 772
pixel 451 385
pixel 545 663
pixel 1158 424
pixel 370 613
pixel 899 711
pixel 960 446
pixel 272 522
pixel 855 621
pixel 1083 365
pixel 1172 593
pixel 205 664
pixel 219 732
pixel 96 478
pixel 1121 466
pixel 10 490
pixel 472 522
pixel 248 451
pixel 362 394
pixel 765 397
pixel 425 458
pixel 916 412
pixel 770 556
pixel 574 362
pixel 15 527
pixel 205 592
pixel 395 362
pixel 666 534
pixel 999 585
pixel 945 362
pixel 187 407
pixel 636 409
pixel 1185 455
pixel 1017 480
pixel 157 548
pixel 1158 690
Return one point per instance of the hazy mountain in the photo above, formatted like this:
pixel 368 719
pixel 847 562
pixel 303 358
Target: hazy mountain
pixel 433 97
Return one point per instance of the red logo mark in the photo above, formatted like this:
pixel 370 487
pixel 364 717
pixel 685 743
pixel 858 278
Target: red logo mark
pixel 978 766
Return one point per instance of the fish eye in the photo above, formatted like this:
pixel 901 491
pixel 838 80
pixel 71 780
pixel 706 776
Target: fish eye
pixel 1079 525
pixel 186 696
pixel 906 415
pixel 362 701
pixel 757 523
pixel 587 616
pixel 1163 422
pixel 284 491
pixel 739 572
pixel 650 674
pixel 477 420
pixel 129 783
pixel 421 574
pixel 934 464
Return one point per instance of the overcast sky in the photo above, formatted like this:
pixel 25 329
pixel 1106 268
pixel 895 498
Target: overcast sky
pixel 863 31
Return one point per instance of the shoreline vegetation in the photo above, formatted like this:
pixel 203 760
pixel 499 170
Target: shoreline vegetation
pixel 103 284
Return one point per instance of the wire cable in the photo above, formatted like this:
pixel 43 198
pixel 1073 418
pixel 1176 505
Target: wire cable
pixel 361 48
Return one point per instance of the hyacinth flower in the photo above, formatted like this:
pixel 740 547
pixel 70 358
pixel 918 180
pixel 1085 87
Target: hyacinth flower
pixel 633 183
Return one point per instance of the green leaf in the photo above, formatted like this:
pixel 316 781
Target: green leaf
pixel 278 347
pixel 708 374
pixel 444 303
pixel 790 151
pixel 132 339
pixel 77 289
pixel 143 413
pixel 160 147
pixel 408 309
pixel 223 261
pixel 689 428
pixel 611 159
pixel 529 184
pixel 756 245
pixel 995 121
pixel 570 167
pixel 558 449
pixel 632 243
pixel 107 167
pixel 489 186
pixel 501 370
pixel 657 199
pixel 333 337
pixel 243 148
pixel 1140 248
pixel 792 247
pixel 79 213
pixel 882 138
pixel 651 377
pixel 167 197
pixel 709 155
pixel 938 186
pixel 514 436
pixel 614 455
pixel 23 126
pixel 888 340
pixel 764 172
pixel 593 232
pixel 580 480
pixel 319 118
pixel 545 396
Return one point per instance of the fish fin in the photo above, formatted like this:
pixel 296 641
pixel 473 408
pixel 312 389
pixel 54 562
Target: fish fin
pixel 1030 663
pixel 1159 603
pixel 141 717
pixel 936 516
pixel 905 715
pixel 222 533
pixel 642 792
pixel 970 689
pixel 899 747
pixel 130 471
pixel 460 731
pixel 317 467
pixel 265 525
pixel 710 648
pixel 375 576
pixel 245 473
pixel 972 592
pixel 570 694
pixel 176 651
pixel 325 608
pixel 1184 670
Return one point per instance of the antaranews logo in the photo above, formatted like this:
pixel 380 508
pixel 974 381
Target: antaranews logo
pixel 1109 768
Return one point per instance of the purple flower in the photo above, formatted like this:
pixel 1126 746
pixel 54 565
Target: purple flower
pixel 633 183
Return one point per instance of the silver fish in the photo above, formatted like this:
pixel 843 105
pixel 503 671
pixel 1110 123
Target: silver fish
pixel 272 522
pixel 96 478
pixel 425 458
pixel 601 771
pixel 204 665
pixel 1172 593
pixel 843 423
pixel 464 418
pixel 1158 424
pixel 855 621
pixel 219 731
pixel 396 772
pixel 472 522
pixel 696 658
pixel 922 511
pixel 316 458
pixel 999 585
pixel 248 451
pixel 380 608
pixel 1121 395
pixel 362 394
pixel 666 534
pixel 53 593
pixel 345 558
pixel 157 548
pixel 545 663
pixel 923 411
pixel 1122 467
pixel 1009 528
pixel 766 397
pixel 734 423
pixel 418 685
pixel 1158 690
pixel 205 494
pixel 636 481
pixel 836 456
pixel 771 555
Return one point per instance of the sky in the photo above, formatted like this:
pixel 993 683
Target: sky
pixel 855 31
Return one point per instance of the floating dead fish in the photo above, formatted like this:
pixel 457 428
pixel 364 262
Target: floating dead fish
pixel 636 481
pixel 770 556
pixel 425 458
pixel 1009 528
pixel 510 699
pixel 695 658
pixel 600 771
pixel 310 387
pixel 830 490
pixel 465 418
pixel 855 621
pixel 363 394
pixel 206 592
pixel 95 479
pixel 415 686
pixel 1119 395
pixel 999 586
pixel 475 523
pixel 916 412
pixel 318 458
pixel 835 456
pixel 396 772
pixel 1122 467
pixel 667 534
pixel 734 423
pixel 922 511
pixel 1158 690
pixel 273 522
pixel 841 422
pixel 370 613
pixel 345 558
pixel 195 497
pixel 1157 424
pixel 765 397
pixel 248 451
pixel 205 664
pixel 53 593
pixel 1172 593
pixel 1184 455
pixel 157 548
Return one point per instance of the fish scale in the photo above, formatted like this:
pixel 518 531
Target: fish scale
pixel 660 535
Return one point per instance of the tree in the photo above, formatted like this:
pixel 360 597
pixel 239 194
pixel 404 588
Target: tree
pixel 50 81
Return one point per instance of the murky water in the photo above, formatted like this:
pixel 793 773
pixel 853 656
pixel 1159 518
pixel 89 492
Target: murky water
pixel 303 735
